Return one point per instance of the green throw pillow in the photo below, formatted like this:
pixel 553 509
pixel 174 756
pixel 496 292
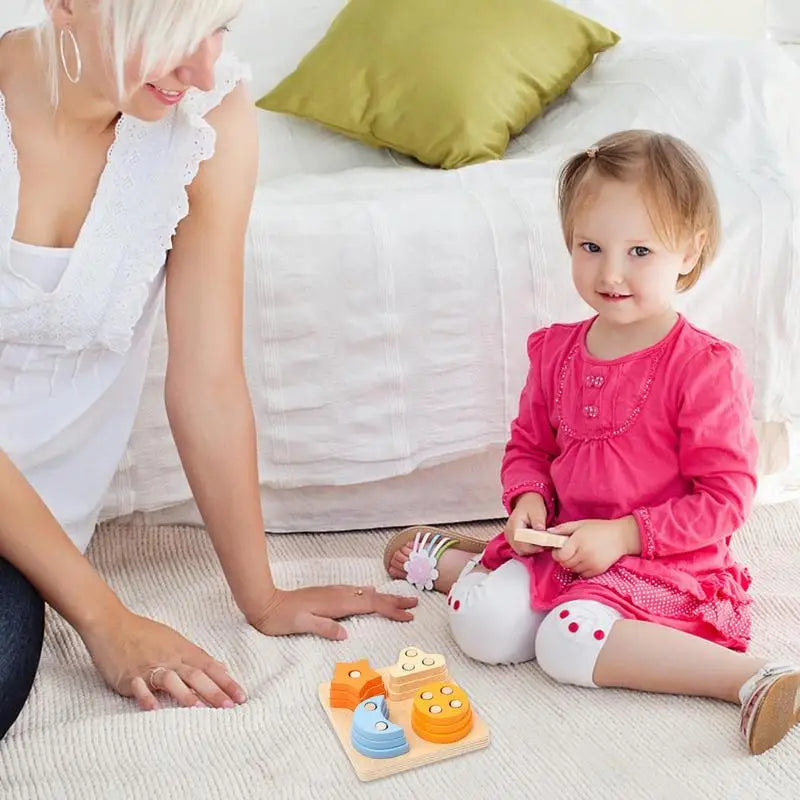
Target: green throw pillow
pixel 446 81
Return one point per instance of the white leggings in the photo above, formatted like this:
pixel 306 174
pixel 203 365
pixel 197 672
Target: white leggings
pixel 491 620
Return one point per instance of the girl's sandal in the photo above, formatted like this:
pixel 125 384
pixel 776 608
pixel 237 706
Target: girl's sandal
pixel 429 544
pixel 771 706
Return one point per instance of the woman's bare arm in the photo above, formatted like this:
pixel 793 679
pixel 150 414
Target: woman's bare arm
pixel 32 540
pixel 206 392
pixel 207 396
pixel 123 645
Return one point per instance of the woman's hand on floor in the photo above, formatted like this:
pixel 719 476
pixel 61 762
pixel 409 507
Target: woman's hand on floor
pixel 141 658
pixel 315 609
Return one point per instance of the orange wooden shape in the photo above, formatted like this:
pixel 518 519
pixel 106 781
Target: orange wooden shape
pixel 354 681
pixel 441 713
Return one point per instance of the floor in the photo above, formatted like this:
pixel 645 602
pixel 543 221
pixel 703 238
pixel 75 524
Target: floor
pixel 77 740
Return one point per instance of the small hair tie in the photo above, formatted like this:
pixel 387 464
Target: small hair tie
pixel 592 152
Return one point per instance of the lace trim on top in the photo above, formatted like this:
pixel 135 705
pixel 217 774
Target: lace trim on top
pixel 124 308
pixel 8 169
pixel 122 246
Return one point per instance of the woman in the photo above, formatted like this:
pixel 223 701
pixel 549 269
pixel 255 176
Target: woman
pixel 128 141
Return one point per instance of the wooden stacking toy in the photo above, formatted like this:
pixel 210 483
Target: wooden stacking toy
pixel 405 715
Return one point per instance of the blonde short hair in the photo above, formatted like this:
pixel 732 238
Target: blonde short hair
pixel 677 188
pixel 165 30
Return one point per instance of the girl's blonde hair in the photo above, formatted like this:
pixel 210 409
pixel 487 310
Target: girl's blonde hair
pixel 163 31
pixel 676 184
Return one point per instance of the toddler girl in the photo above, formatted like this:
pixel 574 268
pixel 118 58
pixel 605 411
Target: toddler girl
pixel 634 440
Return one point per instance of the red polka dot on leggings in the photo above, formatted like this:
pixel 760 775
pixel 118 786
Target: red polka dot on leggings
pixel 449 600
pixel 456 605
pixel 573 627
pixel 599 635
pixel 564 614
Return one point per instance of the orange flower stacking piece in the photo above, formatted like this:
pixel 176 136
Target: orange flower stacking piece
pixel 442 713
pixel 353 682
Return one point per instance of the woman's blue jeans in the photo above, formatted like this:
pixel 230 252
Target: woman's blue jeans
pixel 21 634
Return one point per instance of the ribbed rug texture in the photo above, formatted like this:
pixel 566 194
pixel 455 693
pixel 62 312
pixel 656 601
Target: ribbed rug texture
pixel 77 739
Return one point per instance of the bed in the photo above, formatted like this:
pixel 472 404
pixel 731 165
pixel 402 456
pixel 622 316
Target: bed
pixel 388 304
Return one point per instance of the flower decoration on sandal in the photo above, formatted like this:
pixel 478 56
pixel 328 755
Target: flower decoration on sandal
pixel 421 570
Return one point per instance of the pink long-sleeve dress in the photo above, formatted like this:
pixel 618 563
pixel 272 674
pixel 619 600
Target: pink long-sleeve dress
pixel 664 434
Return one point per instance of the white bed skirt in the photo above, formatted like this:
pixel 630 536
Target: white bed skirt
pixel 463 490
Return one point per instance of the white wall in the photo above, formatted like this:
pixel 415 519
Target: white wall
pixel 728 17
pixel 19 12
pixel 733 17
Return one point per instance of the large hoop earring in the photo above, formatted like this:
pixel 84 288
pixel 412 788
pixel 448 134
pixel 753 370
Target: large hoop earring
pixel 78 63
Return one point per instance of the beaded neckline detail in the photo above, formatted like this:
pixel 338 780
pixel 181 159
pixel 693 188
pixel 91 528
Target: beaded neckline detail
pixel 644 392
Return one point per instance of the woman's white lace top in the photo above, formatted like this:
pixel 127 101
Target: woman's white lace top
pixel 76 325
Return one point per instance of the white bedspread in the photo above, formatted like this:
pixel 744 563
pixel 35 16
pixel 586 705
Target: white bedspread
pixel 388 305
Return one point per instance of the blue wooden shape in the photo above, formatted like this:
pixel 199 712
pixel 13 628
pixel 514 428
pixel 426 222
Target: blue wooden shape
pixel 371 733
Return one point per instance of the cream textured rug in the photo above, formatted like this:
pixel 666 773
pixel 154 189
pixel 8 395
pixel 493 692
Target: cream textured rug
pixel 76 739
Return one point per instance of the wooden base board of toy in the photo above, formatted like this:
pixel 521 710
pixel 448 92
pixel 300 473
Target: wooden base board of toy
pixel 420 753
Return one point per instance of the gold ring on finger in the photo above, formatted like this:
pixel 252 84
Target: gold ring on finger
pixel 152 675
